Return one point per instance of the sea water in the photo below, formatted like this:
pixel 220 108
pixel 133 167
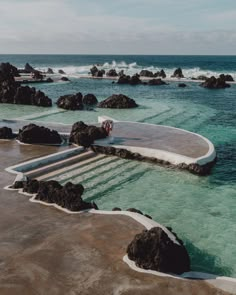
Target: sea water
pixel 201 210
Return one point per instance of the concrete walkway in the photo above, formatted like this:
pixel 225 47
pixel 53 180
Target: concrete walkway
pixel 163 142
pixel 46 251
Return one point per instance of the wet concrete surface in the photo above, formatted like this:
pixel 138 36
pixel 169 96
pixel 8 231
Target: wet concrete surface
pixel 46 251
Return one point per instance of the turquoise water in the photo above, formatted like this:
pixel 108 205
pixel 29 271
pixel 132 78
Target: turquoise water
pixel 201 210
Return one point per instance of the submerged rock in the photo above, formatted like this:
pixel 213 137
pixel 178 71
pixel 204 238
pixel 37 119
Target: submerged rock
pixel 71 102
pixel 6 133
pixel 118 101
pixel 34 134
pixel 178 73
pixel 182 85
pixel 215 83
pixel 156 82
pixel 153 249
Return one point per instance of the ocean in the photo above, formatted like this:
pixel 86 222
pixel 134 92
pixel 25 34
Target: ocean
pixel 201 210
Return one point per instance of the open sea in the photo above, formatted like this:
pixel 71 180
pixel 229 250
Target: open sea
pixel 201 210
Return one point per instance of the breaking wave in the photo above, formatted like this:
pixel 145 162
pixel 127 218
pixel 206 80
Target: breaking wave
pixel 133 68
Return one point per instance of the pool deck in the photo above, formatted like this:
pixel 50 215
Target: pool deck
pixel 46 251
pixel 162 142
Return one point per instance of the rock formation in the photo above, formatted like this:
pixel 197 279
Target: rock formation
pixel 161 74
pixel 156 82
pixel 85 135
pixel 146 73
pixel 182 85
pixel 6 133
pixel 153 249
pixel 118 101
pixel 34 134
pixel 50 71
pixel 71 102
pixel 215 83
pixel 12 92
pixel 61 72
pixel 65 79
pixel 112 73
pixel 90 99
pixel 134 80
pixel 227 78
pixel 178 73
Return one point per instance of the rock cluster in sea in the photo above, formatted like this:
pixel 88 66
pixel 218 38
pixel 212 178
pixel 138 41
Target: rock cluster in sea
pixel 150 74
pixel 216 83
pixel 6 133
pixel 34 134
pixel 154 249
pixel 76 101
pixel 12 92
pixel 95 72
pixel 67 196
pixel 118 101
pixel 84 135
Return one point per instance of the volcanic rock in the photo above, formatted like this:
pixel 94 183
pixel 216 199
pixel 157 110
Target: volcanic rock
pixel 10 69
pixel 34 134
pixel 6 133
pixel 28 68
pixel 50 71
pixel 227 78
pixel 156 82
pixel 215 83
pixel 182 85
pixel 118 101
pixel 61 72
pixel 161 74
pixel 178 73
pixel 134 80
pixel 71 102
pixel 153 249
pixel 146 73
pixel 65 79
pixel 49 80
pixel 90 99
pixel 85 135
pixel 112 73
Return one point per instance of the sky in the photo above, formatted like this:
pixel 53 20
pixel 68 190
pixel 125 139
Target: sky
pixel 118 27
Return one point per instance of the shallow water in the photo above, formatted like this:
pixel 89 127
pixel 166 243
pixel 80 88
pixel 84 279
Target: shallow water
pixel 201 210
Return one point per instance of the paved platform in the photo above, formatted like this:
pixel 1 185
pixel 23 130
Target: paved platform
pixel 46 251
pixel 163 142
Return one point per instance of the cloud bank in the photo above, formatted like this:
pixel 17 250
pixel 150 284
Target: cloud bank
pixel 124 27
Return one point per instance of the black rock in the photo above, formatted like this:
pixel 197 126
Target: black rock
pixel 227 78
pixel 9 69
pixel 182 85
pixel 161 74
pixel 118 101
pixel 50 71
pixel 6 133
pixel 146 73
pixel 116 209
pixel 71 102
pixel 29 68
pixel 31 186
pixel 49 80
pixel 202 77
pixel 112 73
pixel 134 80
pixel 121 73
pixel 67 196
pixel 65 79
pixel 178 73
pixel 215 83
pixel 154 250
pixel 85 135
pixel 61 72
pixel 156 82
pixel 34 134
pixel 135 211
pixel 90 99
